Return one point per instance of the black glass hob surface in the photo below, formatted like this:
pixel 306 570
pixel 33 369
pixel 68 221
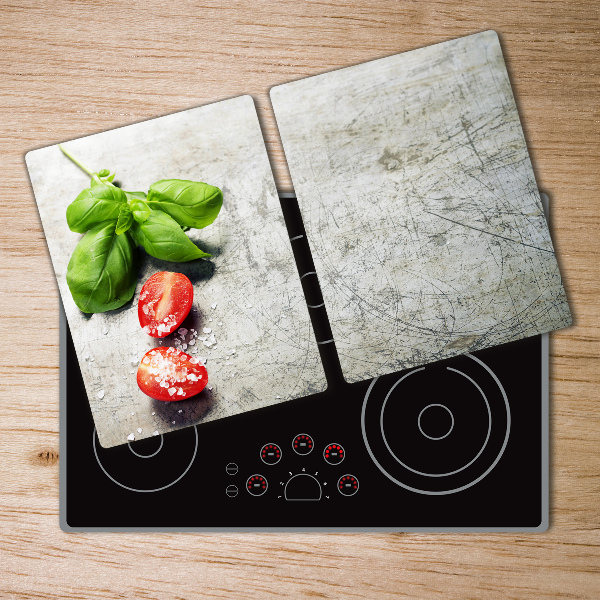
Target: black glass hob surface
pixel 458 445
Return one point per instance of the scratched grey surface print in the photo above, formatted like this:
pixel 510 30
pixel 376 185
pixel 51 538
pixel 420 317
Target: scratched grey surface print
pixel 260 349
pixel 421 206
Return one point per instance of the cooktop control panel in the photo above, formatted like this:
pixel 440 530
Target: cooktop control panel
pixel 320 478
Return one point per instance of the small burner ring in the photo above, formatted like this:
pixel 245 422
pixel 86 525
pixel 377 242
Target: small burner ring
pixel 148 455
pixel 441 437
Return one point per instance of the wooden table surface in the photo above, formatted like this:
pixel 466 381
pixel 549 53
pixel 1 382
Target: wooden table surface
pixel 69 68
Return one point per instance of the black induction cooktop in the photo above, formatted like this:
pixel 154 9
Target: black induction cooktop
pixel 458 445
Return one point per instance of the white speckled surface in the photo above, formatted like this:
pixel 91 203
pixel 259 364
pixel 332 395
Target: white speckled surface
pixel 421 206
pixel 252 276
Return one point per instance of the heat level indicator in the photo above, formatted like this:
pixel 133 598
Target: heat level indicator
pixel 334 454
pixel 256 485
pixel 303 444
pixel 270 454
pixel 347 485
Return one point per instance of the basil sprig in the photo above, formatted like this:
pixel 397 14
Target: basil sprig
pixel 101 273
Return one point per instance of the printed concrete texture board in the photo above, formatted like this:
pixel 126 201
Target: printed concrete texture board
pixel 248 294
pixel 420 205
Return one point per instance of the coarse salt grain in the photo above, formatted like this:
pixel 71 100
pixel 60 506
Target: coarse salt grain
pixel 86 357
pixel 220 323
pixel 153 413
pixel 105 330
pixel 155 433
pixel 130 437
pixel 171 391
pixel 214 305
pixel 100 394
pixel 206 329
pixel 182 331
pixel 139 430
pixel 132 372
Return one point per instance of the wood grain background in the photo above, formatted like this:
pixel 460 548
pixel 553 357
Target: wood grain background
pixel 69 68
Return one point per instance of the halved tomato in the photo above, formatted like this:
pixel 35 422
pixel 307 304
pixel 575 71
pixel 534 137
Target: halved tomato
pixel 170 374
pixel 164 302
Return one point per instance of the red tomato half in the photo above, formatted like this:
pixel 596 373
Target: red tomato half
pixel 165 301
pixel 170 374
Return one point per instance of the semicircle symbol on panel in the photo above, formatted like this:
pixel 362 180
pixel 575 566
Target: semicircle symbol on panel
pixel 302 487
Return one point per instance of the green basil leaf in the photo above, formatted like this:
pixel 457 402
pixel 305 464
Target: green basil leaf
pixel 100 179
pixel 94 205
pixel 162 238
pixel 139 208
pixel 125 220
pixel 135 196
pixel 101 273
pixel 190 203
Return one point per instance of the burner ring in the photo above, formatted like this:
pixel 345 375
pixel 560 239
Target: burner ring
pixel 159 489
pixel 162 441
pixel 441 437
pixel 487 437
pixel 459 488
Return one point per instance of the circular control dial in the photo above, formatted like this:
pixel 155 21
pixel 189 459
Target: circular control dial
pixel 256 485
pixel 347 485
pixel 270 454
pixel 334 454
pixel 303 444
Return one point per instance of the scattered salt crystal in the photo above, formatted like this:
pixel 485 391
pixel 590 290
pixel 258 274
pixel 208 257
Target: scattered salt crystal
pixel 105 330
pixel 206 329
pixel 156 432
pixel 100 394
pixel 171 391
pixel 278 397
pixel 86 357
pixel 139 430
pixel 208 344
pixel 249 305
pixel 184 347
pixel 228 363
pixel 194 360
pixel 210 387
pixel 132 372
pixel 210 319
pixel 146 360
pixel 92 359
pixel 131 437
pixel 146 329
pixel 173 422
pixel 191 342
pixel 153 413
pixel 179 411
pixel 214 305
pixel 132 414
pixel 220 323
pixel 124 376
pixel 182 331
pixel 134 360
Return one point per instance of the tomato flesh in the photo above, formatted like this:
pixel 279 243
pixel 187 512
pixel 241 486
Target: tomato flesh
pixel 169 374
pixel 164 302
